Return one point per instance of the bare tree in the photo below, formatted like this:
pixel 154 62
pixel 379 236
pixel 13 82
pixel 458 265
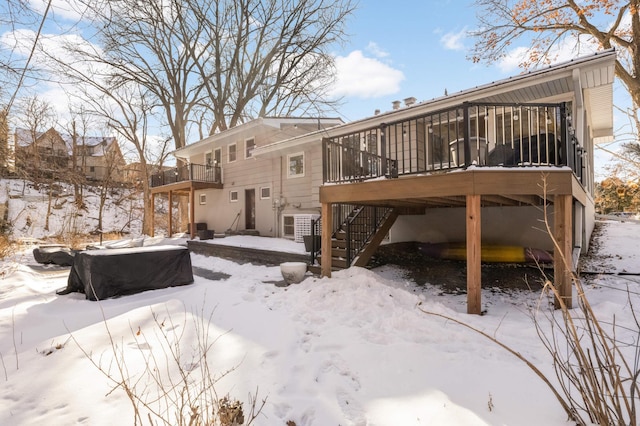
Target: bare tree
pixel 126 110
pixel 78 128
pixel 16 69
pixel 107 183
pixel 4 143
pixel 545 25
pixel 37 116
pixel 228 59
pixel 43 157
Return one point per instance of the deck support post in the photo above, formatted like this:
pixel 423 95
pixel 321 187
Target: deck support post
pixel 152 214
pixel 474 285
pixel 170 221
pixel 325 242
pixel 562 257
pixel 192 213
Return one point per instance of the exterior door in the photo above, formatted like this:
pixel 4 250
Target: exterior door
pixel 250 208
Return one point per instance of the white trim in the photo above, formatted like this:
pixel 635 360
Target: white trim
pixel 229 160
pixel 202 198
pixel 245 147
pixel 262 189
pixel 208 164
pixel 231 199
pixel 293 226
pixel 297 175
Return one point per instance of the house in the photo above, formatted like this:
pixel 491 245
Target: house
pixel 485 166
pixel 98 158
pixel 230 189
pixel 53 153
pixel 40 153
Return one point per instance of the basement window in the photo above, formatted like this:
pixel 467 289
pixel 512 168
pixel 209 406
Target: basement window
pixel 288 226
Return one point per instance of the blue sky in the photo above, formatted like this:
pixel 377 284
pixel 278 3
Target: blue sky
pixel 395 50
pixel 418 48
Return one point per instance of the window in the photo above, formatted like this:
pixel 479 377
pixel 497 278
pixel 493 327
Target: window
pixel 203 198
pixel 92 169
pixel 249 145
pixel 208 160
pixel 217 156
pixel 233 196
pixel 265 192
pixel 296 164
pixel 232 152
pixel 288 226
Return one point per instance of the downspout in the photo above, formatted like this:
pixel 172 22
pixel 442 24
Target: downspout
pixel 276 202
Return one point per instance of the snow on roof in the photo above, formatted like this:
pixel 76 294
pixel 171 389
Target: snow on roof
pixel 24 137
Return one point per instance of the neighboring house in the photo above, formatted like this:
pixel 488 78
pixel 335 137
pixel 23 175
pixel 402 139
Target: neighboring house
pixel 230 189
pixel 40 152
pixel 481 167
pixel 98 158
pixel 134 173
pixel 52 153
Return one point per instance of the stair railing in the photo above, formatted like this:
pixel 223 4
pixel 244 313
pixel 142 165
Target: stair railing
pixel 361 227
pixel 359 223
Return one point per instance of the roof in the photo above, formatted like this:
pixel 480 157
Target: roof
pixel 269 122
pixel 23 138
pixel 594 74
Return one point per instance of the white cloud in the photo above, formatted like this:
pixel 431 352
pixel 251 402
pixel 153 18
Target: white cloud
pixel 566 49
pixel 513 59
pixel 454 41
pixel 364 77
pixel 71 10
pixel 57 90
pixel 376 50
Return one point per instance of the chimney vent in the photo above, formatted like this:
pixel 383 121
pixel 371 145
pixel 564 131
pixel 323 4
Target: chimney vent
pixel 396 104
pixel 376 112
pixel 410 101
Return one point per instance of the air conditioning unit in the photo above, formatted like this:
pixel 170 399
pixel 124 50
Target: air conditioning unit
pixel 302 225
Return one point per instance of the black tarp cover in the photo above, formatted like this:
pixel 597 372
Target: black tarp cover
pixel 56 255
pixel 101 274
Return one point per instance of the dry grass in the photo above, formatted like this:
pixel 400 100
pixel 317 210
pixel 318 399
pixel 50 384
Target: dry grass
pixel 6 246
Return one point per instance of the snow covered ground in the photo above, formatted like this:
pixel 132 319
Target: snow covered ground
pixel 355 349
pixel 28 206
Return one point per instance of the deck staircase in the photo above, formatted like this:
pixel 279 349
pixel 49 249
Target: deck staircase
pixel 360 231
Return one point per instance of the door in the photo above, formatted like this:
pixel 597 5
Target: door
pixel 250 208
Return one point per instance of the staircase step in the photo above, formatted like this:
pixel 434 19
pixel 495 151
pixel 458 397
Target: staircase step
pixel 339 252
pixel 339 263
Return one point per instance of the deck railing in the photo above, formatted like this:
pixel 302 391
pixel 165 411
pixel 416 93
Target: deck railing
pixel 479 134
pixel 188 172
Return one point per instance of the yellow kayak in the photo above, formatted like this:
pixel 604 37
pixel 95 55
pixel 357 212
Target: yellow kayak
pixel 489 253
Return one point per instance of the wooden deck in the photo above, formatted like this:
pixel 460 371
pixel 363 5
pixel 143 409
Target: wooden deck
pixel 473 189
pixel 506 187
pixel 185 187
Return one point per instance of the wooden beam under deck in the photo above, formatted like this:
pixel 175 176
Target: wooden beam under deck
pixel 474 284
pixel 327 225
pixel 185 187
pixel 513 182
pixel 511 186
pixel 562 257
pixel 181 188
